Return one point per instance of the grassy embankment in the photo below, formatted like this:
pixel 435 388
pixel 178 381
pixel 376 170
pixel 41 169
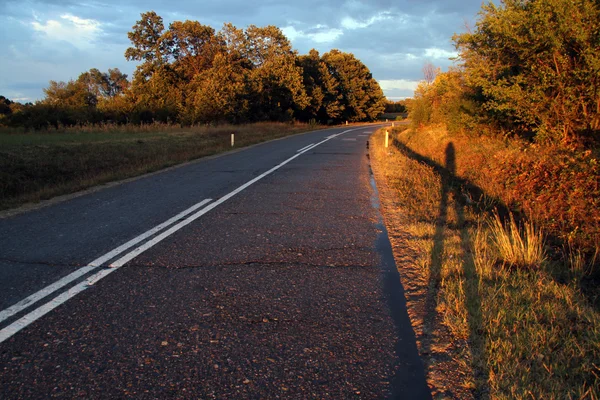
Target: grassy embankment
pixel 514 314
pixel 37 166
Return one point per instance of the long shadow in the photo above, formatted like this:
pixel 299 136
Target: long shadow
pixel 452 185
pixel 471 283
pixel 481 203
pixel 463 185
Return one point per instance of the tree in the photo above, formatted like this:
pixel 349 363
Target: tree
pixel 429 72
pixel 356 95
pixel 534 66
pixel 395 107
pixel 313 71
pixel 192 46
pixel 218 94
pixel 104 84
pixel 158 97
pixel 445 100
pixel 71 95
pixel 146 38
pixel 5 106
pixel 274 79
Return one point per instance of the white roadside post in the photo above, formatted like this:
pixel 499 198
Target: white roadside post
pixel 346 123
pixel 232 139
pixel 393 124
pixel 387 136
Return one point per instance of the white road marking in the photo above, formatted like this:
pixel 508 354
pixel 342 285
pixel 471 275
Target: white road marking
pixel 37 296
pixel 39 312
pixel 349 140
pixel 305 148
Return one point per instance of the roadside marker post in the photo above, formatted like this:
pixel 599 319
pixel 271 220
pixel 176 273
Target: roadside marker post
pixel 232 139
pixel 387 137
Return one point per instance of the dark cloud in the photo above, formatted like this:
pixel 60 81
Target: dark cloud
pixel 394 38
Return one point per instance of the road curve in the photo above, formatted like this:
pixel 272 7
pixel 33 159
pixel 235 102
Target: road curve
pixel 264 273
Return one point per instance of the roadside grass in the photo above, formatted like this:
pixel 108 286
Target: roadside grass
pixel 514 330
pixel 38 166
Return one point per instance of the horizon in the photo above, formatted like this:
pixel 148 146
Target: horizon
pixel 58 40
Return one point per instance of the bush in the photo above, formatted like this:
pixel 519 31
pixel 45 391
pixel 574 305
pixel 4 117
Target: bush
pixel 535 66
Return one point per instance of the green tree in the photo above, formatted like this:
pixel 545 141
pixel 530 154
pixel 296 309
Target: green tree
pixel 71 95
pixel 5 106
pixel 395 107
pixel 192 46
pixel 104 84
pixel 445 100
pixel 274 79
pixel 356 96
pixel 219 93
pixel 313 71
pixel 158 97
pixel 156 86
pixel 147 41
pixel 534 66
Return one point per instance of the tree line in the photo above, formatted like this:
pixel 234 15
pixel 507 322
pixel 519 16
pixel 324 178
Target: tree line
pixel 529 68
pixel 190 74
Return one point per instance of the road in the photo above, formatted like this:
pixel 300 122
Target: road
pixel 262 273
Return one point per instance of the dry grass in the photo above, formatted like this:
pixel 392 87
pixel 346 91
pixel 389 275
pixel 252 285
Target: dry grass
pixel 37 166
pixel 517 247
pixel 558 189
pixel 514 332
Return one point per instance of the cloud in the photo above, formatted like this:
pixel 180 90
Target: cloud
pixel 351 23
pixel 58 39
pixel 438 54
pixel 400 84
pixel 318 34
pixel 77 31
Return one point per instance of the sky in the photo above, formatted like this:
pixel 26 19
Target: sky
pixel 43 40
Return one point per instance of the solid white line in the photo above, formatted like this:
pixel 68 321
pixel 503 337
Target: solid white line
pixel 309 148
pixel 24 321
pixel 23 304
pixel 37 296
pixel 349 140
pixel 39 312
pixel 304 148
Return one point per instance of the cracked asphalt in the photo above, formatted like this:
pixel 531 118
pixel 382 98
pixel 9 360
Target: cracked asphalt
pixel 287 290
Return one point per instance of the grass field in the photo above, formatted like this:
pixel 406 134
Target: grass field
pixel 514 331
pixel 38 166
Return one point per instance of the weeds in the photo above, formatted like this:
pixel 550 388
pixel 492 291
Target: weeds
pixel 514 330
pixel 517 247
pixel 37 166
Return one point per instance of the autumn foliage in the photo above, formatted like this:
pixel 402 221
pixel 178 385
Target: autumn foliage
pixel 528 80
pixel 191 74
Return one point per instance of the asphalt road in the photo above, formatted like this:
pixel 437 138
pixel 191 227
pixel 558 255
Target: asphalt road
pixel 278 283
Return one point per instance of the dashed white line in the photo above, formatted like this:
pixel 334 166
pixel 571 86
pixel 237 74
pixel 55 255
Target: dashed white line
pixel 32 316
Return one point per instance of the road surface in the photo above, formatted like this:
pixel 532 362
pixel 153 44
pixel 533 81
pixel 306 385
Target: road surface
pixel 262 273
